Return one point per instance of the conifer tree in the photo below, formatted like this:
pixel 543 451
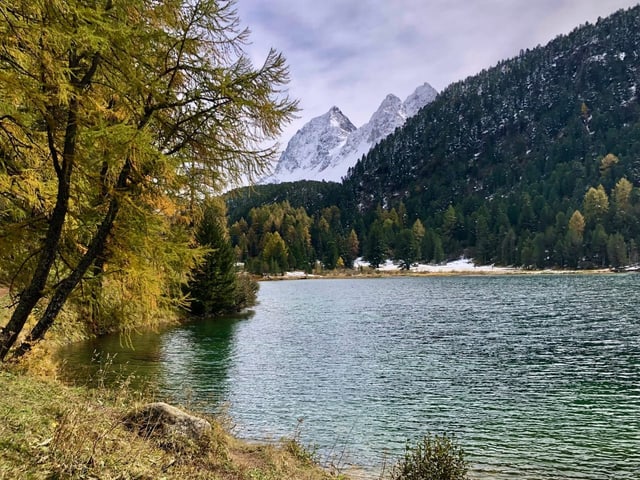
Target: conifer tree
pixel 212 287
pixel 621 206
pixel 275 253
pixel 375 246
pixel 352 248
pixel 418 232
pixel 575 237
pixel 405 250
pixel 595 205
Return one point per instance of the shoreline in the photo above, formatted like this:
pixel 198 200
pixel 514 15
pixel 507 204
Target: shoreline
pixel 52 429
pixel 496 271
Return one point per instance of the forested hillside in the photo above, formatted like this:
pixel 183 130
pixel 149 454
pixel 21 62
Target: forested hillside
pixel 534 162
pixel 311 195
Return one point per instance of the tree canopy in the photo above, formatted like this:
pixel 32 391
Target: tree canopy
pixel 116 119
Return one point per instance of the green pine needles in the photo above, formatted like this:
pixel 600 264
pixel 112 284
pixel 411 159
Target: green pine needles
pixel 215 288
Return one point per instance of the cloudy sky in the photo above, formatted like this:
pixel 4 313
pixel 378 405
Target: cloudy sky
pixel 352 53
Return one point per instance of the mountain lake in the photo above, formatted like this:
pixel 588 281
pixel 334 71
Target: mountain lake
pixel 537 376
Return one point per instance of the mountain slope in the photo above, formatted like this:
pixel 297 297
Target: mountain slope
pixel 389 116
pixel 544 116
pixel 533 162
pixel 312 148
pixel 422 96
pixel 310 195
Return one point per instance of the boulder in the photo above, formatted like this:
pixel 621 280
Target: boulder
pixel 169 423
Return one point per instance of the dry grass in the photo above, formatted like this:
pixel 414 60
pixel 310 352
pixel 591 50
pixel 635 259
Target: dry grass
pixel 48 430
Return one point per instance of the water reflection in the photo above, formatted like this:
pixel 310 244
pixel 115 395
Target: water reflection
pixel 112 360
pixel 171 362
pixel 197 358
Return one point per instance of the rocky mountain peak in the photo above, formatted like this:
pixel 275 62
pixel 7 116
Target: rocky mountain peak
pixel 312 147
pixel 327 146
pixel 422 96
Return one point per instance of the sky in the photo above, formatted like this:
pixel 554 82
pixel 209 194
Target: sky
pixel 352 53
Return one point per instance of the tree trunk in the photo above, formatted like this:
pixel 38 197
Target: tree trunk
pixel 33 293
pixel 30 296
pixel 64 288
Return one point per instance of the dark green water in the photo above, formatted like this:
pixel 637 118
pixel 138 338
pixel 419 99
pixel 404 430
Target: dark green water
pixel 538 376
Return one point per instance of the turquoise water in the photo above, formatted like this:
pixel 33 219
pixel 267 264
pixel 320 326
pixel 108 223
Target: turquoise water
pixel 537 376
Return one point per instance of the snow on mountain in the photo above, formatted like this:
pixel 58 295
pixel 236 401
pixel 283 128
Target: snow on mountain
pixel 328 145
pixel 422 96
pixel 384 121
pixel 312 147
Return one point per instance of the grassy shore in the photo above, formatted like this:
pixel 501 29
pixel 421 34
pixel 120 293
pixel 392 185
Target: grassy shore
pixel 50 430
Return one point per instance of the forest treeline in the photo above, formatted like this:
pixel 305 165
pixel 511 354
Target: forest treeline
pixel 519 230
pixel 534 162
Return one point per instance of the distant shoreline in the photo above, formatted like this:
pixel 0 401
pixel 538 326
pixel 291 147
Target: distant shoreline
pixel 496 271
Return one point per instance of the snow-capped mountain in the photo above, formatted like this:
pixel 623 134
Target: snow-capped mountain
pixel 422 96
pixel 328 145
pixel 312 148
pixel 385 120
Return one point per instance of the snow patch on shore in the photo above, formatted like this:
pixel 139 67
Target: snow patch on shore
pixel 462 265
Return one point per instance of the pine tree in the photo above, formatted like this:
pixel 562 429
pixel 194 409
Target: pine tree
pixel 375 246
pixel 405 248
pixel 617 250
pixel 212 287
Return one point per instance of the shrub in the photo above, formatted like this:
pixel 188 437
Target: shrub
pixel 246 292
pixel 432 458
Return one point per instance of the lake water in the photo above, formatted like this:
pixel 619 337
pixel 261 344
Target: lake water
pixel 537 376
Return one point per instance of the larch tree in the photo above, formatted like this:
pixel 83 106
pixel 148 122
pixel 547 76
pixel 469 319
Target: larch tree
pixel 419 232
pixel 275 253
pixel 595 205
pixel 575 238
pixel 621 205
pixel 352 248
pixel 116 117
pixel 576 228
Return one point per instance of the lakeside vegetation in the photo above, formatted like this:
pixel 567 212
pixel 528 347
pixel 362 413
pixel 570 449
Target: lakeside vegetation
pixel 118 123
pixel 50 430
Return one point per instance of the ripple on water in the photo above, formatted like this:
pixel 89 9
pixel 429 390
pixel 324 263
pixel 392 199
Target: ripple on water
pixel 538 376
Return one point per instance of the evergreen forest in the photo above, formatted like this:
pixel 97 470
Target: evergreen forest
pixel 534 163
